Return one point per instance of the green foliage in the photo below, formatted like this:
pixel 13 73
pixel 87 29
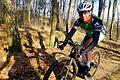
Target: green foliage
pixel 37 76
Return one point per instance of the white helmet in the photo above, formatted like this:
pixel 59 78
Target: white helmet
pixel 84 6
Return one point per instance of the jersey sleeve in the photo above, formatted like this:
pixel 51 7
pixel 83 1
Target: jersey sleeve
pixel 98 25
pixel 77 22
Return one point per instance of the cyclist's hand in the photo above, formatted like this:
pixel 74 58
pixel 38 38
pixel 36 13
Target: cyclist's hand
pixel 61 47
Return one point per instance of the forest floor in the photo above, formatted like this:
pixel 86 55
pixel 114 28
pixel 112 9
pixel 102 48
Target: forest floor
pixel 34 60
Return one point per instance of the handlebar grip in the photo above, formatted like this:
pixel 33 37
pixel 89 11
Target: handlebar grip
pixel 71 42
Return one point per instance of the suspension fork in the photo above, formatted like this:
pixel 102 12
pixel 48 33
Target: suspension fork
pixel 72 61
pixel 69 66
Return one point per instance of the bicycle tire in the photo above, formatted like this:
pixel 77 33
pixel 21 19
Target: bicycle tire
pixel 57 64
pixel 96 53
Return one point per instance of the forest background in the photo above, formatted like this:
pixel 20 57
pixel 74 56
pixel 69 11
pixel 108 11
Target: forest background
pixel 27 23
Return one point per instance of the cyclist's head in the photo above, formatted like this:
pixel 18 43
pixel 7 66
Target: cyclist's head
pixel 85 11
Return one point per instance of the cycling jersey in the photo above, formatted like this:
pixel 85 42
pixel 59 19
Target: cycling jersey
pixel 94 25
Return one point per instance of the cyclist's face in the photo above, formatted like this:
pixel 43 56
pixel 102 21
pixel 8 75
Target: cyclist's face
pixel 86 15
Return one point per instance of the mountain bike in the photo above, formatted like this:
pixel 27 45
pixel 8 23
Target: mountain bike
pixel 66 68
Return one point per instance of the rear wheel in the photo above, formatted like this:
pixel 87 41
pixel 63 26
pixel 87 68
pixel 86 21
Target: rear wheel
pixel 95 63
pixel 63 69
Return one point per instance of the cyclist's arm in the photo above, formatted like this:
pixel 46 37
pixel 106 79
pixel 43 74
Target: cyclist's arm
pixel 93 43
pixel 72 31
pixel 69 36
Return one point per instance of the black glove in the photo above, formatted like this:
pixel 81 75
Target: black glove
pixel 61 47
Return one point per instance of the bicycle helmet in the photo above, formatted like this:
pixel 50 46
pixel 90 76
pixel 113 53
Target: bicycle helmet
pixel 84 6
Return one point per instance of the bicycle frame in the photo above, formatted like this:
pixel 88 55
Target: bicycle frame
pixel 75 51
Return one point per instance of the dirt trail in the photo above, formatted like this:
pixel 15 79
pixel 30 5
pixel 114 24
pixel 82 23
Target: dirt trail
pixel 110 58
pixel 107 66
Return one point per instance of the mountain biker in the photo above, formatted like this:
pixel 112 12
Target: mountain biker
pixel 94 29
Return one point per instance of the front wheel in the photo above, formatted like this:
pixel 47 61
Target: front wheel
pixel 61 70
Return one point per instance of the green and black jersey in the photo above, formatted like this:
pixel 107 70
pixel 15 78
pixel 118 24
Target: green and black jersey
pixel 94 25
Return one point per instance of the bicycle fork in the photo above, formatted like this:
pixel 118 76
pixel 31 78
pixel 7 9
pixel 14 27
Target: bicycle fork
pixel 71 63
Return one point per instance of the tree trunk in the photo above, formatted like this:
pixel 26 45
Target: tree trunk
pixel 113 15
pixel 67 17
pixel 78 2
pixel 36 20
pixel 60 16
pixel 29 13
pixel 15 42
pixel 23 13
pixel 8 18
pixel 103 10
pixel 72 13
pixel 54 23
pixel 64 20
pixel 100 7
pixel 9 8
pixel 117 35
pixel 108 12
pixel 58 20
pixel 44 17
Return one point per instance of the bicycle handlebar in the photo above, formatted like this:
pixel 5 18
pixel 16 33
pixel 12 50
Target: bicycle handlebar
pixel 75 45
pixel 71 42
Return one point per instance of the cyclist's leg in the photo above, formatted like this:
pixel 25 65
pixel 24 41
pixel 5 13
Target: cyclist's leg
pixel 86 42
pixel 89 57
